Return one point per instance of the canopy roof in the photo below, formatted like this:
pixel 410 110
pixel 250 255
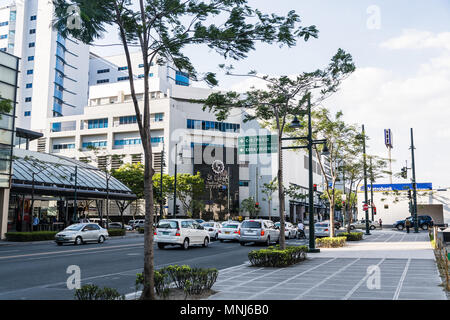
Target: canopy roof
pixel 55 175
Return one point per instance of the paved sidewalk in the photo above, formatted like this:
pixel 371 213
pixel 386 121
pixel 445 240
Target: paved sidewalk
pixel 406 267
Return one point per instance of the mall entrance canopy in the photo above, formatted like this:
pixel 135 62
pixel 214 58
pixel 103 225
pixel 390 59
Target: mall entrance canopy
pixel 61 181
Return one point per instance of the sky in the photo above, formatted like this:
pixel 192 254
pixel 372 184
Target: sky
pixel 401 50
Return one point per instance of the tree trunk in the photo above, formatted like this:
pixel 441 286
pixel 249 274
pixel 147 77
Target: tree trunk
pixel 281 192
pixel 332 231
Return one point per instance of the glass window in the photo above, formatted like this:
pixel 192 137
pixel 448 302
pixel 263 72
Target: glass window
pixel 31 45
pixel 251 224
pixel 32 31
pixel 169 225
pixel 32 18
pixel 27 113
pixel 30 71
pixel 28 99
pixel 31 58
pixel 3 36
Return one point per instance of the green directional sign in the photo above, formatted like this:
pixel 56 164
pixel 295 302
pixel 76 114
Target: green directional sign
pixel 258 144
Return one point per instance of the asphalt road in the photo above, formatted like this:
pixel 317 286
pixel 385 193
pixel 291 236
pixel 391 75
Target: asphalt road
pixel 38 271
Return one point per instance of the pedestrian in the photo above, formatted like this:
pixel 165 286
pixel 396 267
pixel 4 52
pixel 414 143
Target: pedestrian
pixel 408 225
pixel 35 222
pixel 380 222
pixel 301 230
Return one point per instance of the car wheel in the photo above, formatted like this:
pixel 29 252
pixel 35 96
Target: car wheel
pixel 372 227
pixel 161 246
pixel 268 241
pixel 242 243
pixel 424 227
pixel 78 241
pixel 352 227
pixel 205 242
pixel 59 243
pixel 400 227
pixel 216 237
pixel 186 244
pixel 101 239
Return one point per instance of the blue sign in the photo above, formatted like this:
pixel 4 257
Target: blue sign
pixel 398 187
pixel 388 138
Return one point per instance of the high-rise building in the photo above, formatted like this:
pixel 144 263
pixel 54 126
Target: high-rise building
pixel 54 74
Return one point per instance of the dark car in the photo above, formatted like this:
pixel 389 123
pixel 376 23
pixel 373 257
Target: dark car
pixel 424 222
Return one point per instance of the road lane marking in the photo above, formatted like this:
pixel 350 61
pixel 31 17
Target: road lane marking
pixel 350 293
pixel 400 283
pixel 70 251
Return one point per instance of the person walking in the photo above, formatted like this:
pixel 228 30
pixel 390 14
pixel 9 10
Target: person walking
pixel 380 222
pixel 301 230
pixel 408 225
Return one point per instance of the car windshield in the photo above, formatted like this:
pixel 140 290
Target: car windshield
pixel 208 224
pixel 230 226
pixel 251 224
pixel 74 227
pixel 168 225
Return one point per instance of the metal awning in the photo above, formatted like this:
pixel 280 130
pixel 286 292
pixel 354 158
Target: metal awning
pixel 55 176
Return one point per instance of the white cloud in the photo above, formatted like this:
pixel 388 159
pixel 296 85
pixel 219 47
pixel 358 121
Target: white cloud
pixel 415 39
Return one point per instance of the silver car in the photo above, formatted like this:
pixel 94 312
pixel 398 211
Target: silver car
pixel 322 229
pixel 290 231
pixel 229 231
pixel 81 233
pixel 258 231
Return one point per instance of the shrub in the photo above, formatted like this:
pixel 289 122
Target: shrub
pixel 352 236
pixel 116 232
pixel 191 280
pixel 141 230
pixel 274 257
pixel 93 292
pixel 328 242
pixel 31 236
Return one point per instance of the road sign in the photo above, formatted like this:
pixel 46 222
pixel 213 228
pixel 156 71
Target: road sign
pixel 365 207
pixel 258 144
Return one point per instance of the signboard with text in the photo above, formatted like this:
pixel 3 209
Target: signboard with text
pixel 258 144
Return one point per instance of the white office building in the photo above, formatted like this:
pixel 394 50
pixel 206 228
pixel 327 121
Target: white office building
pixel 54 74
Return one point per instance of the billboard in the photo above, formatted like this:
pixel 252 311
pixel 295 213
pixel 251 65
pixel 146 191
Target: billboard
pixel 398 187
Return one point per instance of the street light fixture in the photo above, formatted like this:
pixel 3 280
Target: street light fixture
pixel 310 142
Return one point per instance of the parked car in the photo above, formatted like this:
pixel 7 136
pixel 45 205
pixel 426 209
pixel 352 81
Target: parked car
pixel 229 231
pixel 259 231
pixel 131 223
pixel 213 229
pixel 425 222
pixel 98 220
pixel 182 232
pixel 118 225
pixel 290 231
pixel 322 229
pixel 139 223
pixel 80 233
pixel 361 224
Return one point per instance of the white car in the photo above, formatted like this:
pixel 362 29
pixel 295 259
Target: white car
pixel 118 225
pixel 322 229
pixel 182 232
pixel 229 231
pixel 81 233
pixel 290 231
pixel 213 229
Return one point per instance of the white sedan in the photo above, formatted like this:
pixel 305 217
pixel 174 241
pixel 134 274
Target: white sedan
pixel 229 231
pixel 290 231
pixel 81 233
pixel 213 229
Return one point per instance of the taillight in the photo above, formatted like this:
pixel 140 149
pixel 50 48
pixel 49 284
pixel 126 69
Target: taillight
pixel 326 229
pixel 220 231
pixel 155 233
pixel 239 232
pixel 262 232
pixel 178 233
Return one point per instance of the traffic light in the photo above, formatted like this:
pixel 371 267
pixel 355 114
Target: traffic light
pixel 315 187
pixel 177 209
pixel 404 173
pixel 409 194
pixel 256 205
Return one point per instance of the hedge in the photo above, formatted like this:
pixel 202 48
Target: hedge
pixel 192 280
pixel 116 232
pixel 352 236
pixel 31 236
pixel 328 242
pixel 274 257
pixel 141 230
pixel 93 292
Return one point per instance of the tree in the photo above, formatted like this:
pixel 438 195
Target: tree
pixel 161 29
pixel 268 189
pixel 249 205
pixel 5 106
pixel 131 175
pixel 189 187
pixel 284 98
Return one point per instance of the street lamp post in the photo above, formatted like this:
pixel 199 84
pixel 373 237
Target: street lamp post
pixel 175 182
pixel 295 125
pixel 365 180
pixel 414 198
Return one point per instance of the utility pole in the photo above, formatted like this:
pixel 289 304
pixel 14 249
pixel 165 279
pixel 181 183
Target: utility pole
pixel 414 204
pixel 365 179
pixel 371 189
pixel 175 182
pixel 161 187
